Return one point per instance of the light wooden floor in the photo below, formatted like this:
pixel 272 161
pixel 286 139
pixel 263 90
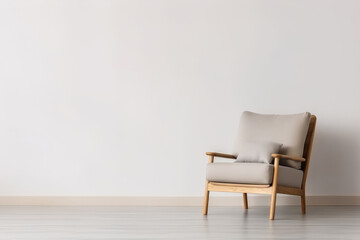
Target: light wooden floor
pixel 321 222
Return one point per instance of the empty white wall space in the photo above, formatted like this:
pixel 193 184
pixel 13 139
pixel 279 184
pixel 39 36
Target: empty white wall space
pixel 123 98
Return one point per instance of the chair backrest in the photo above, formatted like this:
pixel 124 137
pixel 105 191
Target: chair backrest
pixel 289 130
pixel 308 147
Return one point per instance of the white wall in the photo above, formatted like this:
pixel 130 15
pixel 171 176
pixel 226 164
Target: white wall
pixel 125 97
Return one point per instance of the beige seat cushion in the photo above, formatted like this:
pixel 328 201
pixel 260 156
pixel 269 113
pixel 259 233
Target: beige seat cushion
pixel 288 130
pixel 252 173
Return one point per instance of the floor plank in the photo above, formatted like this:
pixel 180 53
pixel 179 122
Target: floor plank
pixel 36 222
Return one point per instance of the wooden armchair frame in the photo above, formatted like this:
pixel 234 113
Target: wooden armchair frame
pixel 272 189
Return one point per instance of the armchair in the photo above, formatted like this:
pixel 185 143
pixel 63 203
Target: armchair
pixel 287 175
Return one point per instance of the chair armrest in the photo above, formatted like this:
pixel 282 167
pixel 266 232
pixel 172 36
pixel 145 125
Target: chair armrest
pixel 299 159
pixel 222 155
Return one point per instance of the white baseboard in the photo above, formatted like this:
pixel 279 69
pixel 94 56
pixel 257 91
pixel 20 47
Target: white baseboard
pixel 256 200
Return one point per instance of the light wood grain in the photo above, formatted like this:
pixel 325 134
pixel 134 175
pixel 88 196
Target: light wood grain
pixel 222 155
pixel 245 199
pixel 274 188
pixel 299 159
pixel 206 199
pixel 239 188
pixel 166 223
pixel 289 190
pixel 228 200
pixel 211 158
pixel 303 204
pixel 240 185
pixel 207 193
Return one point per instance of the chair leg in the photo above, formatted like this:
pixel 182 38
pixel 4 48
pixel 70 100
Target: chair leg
pixel 274 189
pixel 303 204
pixel 245 200
pixel 272 206
pixel 206 199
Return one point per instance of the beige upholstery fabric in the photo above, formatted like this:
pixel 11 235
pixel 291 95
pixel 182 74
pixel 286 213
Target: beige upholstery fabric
pixel 259 152
pixel 289 130
pixel 252 173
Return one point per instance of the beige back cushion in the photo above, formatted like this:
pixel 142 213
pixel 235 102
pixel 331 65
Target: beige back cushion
pixel 288 130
